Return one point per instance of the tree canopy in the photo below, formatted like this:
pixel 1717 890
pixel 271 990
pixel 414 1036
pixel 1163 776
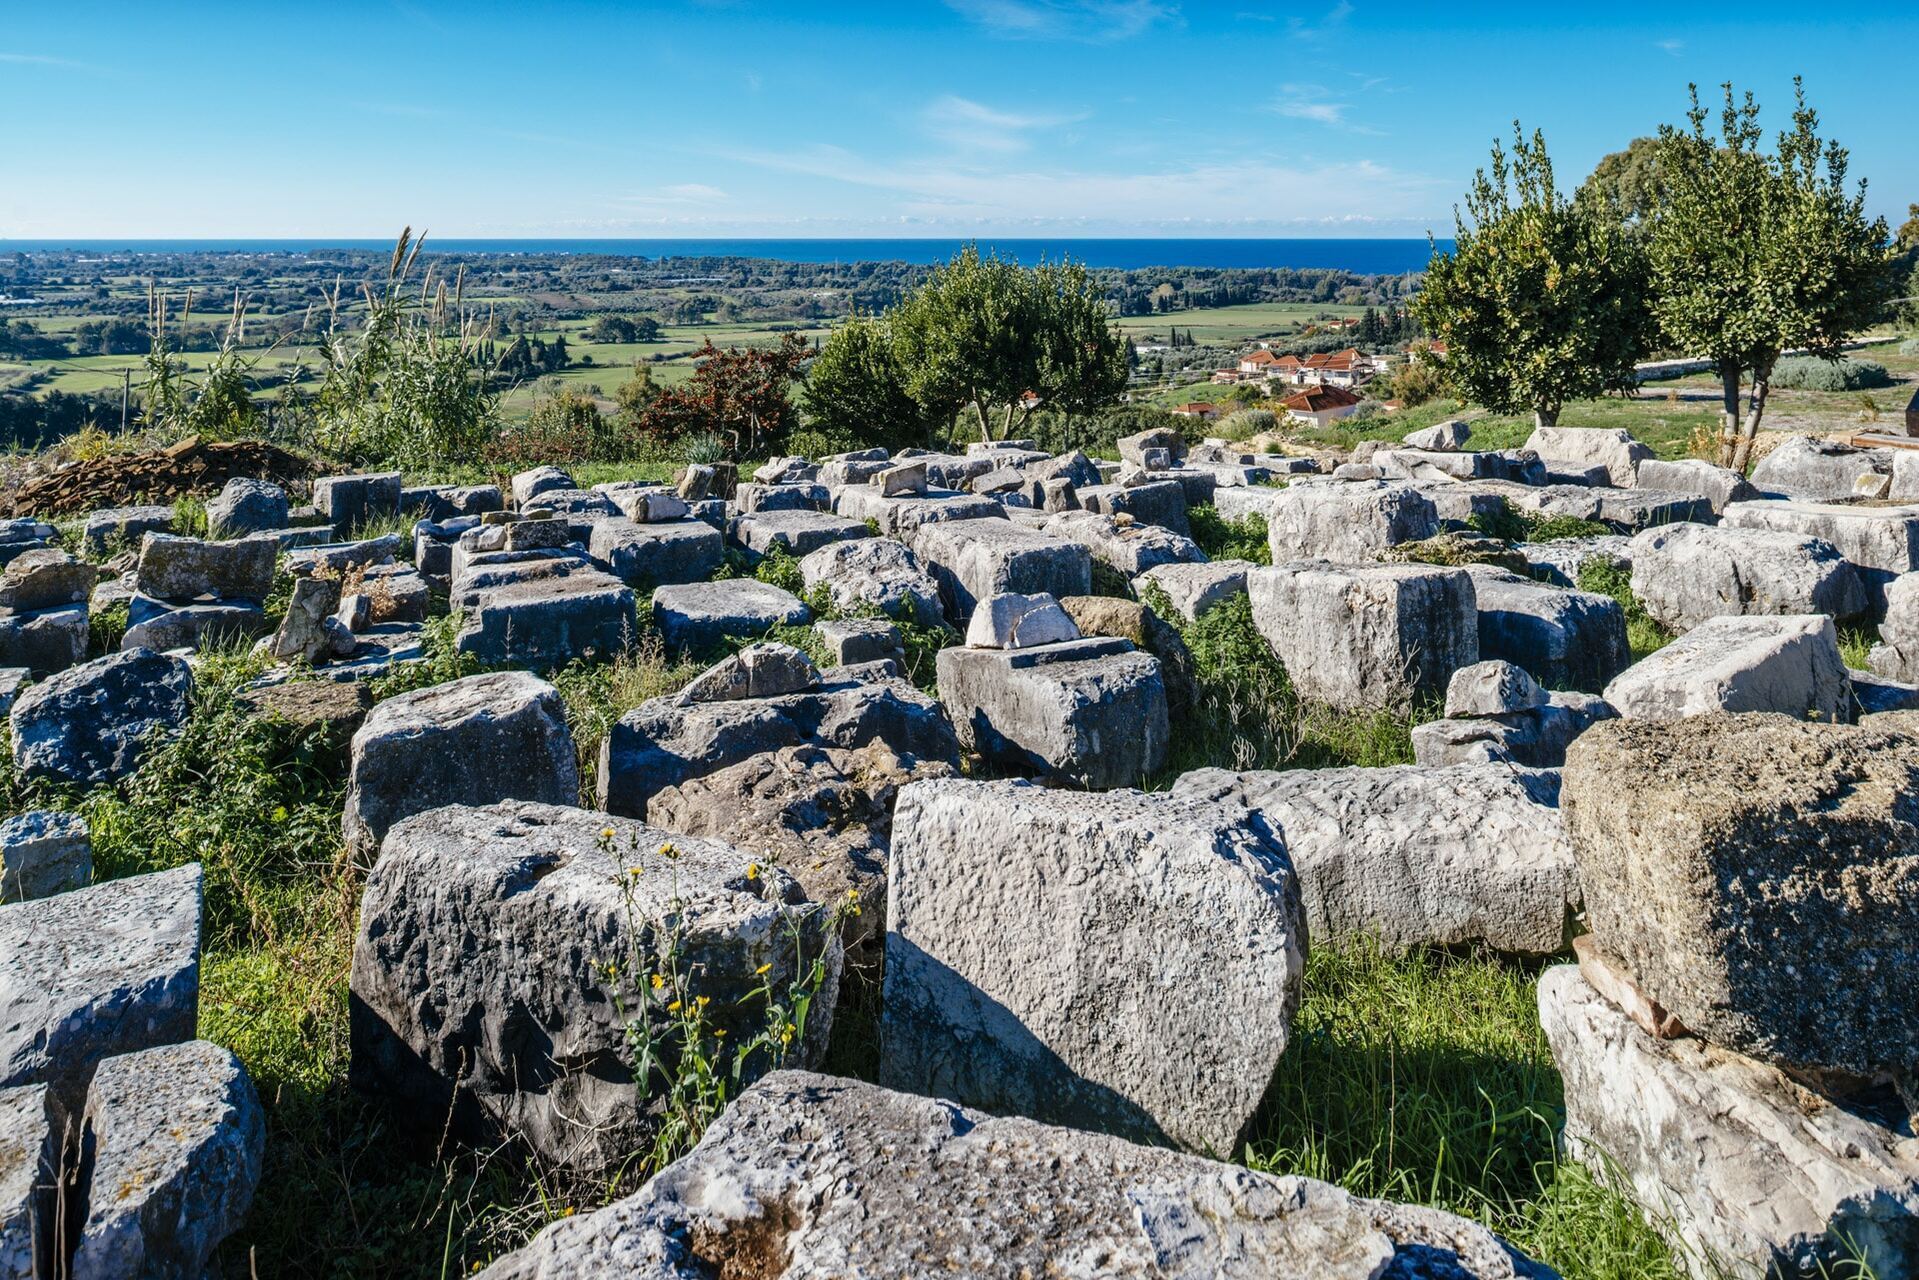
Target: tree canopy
pixel 1754 254
pixel 983 337
pixel 1627 182
pixel 1543 298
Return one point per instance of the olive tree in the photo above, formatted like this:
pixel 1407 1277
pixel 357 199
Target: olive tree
pixel 1756 254
pixel 983 338
pixel 1543 299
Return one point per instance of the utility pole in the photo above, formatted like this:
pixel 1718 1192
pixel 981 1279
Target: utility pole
pixel 126 388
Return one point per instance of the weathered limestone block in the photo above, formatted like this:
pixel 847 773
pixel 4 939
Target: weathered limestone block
pixel 29 1157
pixel 663 743
pixel 1818 470
pixel 1013 621
pixel 1448 436
pixel 823 814
pixel 1747 1171
pixel 1576 448
pixel 1344 522
pixel 1129 547
pixel 645 556
pixel 497 736
pixel 1093 711
pixel 175 568
pixel 443 502
pixel 42 854
pixel 503 950
pixel 348 502
pixel 1194 588
pixel 1718 485
pixel 1415 856
pixel 246 506
pixel 1880 542
pixel 344 557
pixel 764 670
pixel 1790 665
pixel 89 723
pixel 1896 656
pixel 177 1139
pixel 1161 503
pixel 123 526
pixel 975 559
pixel 1370 635
pixel 1685 574
pixel 1133 448
pixel 47 578
pixel 856 640
pixel 549 622
pixel 870 1184
pixel 106 970
pixel 875 572
pixel 1564 638
pixel 45 640
pixel 696 616
pixel 162 627
pixel 794 532
pixel 1015 983
pixel 1536 737
pixel 527 486
pixel 1776 913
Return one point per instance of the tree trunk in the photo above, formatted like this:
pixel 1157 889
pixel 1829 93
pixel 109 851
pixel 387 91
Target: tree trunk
pixel 1729 429
pixel 1545 417
pixel 985 427
pixel 1749 429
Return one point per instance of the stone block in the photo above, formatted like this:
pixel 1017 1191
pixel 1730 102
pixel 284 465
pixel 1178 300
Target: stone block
pixel 1361 637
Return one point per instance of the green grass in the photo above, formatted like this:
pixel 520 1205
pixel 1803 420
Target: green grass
pixel 1226 326
pixel 1426 1078
pixel 1644 635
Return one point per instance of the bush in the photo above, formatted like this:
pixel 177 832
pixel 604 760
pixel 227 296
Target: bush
pixel 1244 424
pixel 1910 347
pixel 1808 373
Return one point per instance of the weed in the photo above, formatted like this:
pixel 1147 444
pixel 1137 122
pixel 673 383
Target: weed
pixel 597 694
pixel 781 568
pixel 1248 715
pixel 1224 539
pixel 681 1055
pixel 106 626
pixel 1855 645
pixel 1644 635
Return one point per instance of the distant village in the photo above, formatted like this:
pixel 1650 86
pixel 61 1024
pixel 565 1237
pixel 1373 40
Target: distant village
pixel 1326 384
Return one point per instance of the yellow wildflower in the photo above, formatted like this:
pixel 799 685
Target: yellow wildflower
pixel 761 971
pixel 752 871
pixel 658 982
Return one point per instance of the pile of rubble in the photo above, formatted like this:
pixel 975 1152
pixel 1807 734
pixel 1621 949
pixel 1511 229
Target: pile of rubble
pixel 193 467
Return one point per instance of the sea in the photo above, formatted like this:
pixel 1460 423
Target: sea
pixel 1364 257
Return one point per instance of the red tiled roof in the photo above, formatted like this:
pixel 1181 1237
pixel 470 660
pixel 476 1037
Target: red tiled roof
pixel 1320 399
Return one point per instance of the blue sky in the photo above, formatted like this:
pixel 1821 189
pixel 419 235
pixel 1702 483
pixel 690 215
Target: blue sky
pixel 1009 117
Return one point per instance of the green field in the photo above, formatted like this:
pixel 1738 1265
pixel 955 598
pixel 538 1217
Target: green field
pixel 1229 326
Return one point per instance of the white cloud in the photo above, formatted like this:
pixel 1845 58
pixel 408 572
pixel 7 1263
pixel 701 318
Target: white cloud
pixel 1317 104
pixel 1328 23
pixel 1227 196
pixel 1673 47
pixel 1092 21
pixel 973 126
pixel 46 60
